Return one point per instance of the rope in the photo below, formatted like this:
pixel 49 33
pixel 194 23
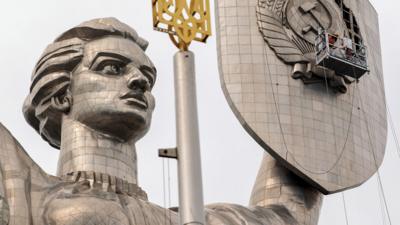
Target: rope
pixel 333 126
pixel 383 201
pixel 384 197
pixel 381 189
pixel 169 191
pixel 393 129
pixel 375 161
pixel 341 154
pixel 345 209
pixel 381 204
pixel 391 123
pixel 390 118
pixel 283 135
pixel 164 192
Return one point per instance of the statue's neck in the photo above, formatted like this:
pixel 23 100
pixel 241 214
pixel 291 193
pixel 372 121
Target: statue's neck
pixel 84 149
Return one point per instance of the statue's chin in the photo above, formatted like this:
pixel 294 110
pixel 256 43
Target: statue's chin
pixel 123 126
pixel 122 130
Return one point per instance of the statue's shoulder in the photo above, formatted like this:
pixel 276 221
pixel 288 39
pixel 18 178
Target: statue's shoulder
pixel 11 152
pixel 23 182
pixel 224 213
pixel 95 198
pixel 13 157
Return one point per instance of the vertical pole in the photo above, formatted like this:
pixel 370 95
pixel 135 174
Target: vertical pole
pixel 191 205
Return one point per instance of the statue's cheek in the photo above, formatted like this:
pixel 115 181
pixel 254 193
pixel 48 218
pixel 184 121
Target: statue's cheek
pixel 85 211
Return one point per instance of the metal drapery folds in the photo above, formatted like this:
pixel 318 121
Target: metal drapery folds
pixel 184 22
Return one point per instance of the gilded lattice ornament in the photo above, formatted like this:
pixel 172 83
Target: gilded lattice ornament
pixel 183 21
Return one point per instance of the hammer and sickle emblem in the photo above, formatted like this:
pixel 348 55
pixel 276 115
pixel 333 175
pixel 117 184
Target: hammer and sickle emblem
pixel 311 9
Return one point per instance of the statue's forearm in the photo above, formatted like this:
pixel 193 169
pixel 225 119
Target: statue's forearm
pixel 276 185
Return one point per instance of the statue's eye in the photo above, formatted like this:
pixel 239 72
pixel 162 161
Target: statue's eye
pixel 111 68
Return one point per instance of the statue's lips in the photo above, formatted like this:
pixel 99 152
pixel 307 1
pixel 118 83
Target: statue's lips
pixel 135 98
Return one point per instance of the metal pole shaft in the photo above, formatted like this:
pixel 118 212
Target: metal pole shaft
pixel 191 204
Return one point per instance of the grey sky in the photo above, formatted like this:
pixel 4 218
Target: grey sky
pixel 230 156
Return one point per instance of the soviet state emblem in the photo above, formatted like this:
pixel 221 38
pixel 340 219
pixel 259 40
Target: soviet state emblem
pixel 290 27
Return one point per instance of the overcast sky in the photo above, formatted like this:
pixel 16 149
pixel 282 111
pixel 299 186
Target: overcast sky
pixel 230 156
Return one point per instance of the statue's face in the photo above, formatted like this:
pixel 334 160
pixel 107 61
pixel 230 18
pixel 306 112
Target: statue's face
pixel 111 89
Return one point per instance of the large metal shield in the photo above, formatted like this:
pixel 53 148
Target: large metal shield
pixel 329 129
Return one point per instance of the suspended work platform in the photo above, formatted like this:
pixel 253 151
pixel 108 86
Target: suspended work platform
pixel 341 55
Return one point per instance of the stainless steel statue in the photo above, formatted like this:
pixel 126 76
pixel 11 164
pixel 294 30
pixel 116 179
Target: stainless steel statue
pixel 91 98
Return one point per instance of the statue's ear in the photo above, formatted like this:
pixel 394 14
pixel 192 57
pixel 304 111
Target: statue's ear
pixel 62 103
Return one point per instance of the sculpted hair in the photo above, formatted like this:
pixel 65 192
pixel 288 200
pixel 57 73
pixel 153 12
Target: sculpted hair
pixel 52 74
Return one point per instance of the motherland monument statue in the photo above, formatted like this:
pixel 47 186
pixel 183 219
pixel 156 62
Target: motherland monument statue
pixel 90 97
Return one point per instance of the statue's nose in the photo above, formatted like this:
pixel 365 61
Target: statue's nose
pixel 137 81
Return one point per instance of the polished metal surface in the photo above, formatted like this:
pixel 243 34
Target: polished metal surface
pixel 331 132
pixel 290 28
pixel 93 198
pixel 191 202
pixel 91 98
pixel 276 185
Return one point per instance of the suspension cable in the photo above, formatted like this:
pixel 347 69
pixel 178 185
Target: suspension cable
pixel 375 160
pixel 169 191
pixel 393 129
pixel 381 189
pixel 283 135
pixel 384 197
pixel 381 203
pixel 388 112
pixel 345 209
pixel 164 192
pixel 369 137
